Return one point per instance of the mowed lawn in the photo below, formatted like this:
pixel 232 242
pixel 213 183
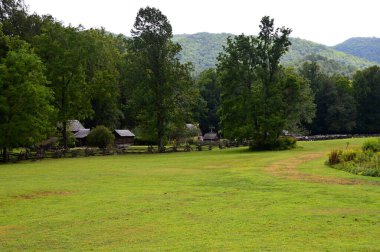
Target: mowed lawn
pixel 220 200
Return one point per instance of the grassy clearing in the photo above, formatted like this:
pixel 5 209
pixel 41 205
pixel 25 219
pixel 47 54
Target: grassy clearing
pixel 202 201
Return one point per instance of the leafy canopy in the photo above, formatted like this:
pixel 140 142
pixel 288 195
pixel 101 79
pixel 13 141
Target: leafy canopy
pixel 259 98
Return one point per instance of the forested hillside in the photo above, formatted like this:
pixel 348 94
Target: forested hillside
pixel 202 50
pixel 367 48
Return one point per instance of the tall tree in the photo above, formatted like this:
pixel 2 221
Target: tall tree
pixel 102 75
pixel 208 105
pixel 366 86
pixel 256 89
pixel 336 109
pixel 164 85
pixel 25 108
pixel 63 52
pixel 17 21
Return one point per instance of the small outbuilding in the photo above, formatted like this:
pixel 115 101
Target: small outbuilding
pixel 211 137
pixel 74 126
pixel 81 136
pixel 124 137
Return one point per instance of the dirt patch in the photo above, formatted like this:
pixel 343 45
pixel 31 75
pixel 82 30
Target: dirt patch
pixel 4 230
pixel 288 168
pixel 42 194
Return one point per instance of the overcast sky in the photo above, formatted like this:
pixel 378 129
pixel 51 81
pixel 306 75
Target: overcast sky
pixel 324 21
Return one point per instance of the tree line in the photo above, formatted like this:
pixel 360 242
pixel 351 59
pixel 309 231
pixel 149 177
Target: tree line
pixel 51 73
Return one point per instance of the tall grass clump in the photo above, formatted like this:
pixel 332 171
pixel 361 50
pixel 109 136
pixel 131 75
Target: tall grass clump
pixel 364 161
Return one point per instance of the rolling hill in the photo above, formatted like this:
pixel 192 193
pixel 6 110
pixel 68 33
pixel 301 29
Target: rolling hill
pixel 202 50
pixel 367 48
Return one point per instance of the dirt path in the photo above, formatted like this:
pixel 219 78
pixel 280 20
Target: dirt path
pixel 288 168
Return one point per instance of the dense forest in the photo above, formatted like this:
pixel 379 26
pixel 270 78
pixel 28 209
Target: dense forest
pixel 244 87
pixel 366 48
pixel 202 50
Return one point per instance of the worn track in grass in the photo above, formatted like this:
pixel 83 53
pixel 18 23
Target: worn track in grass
pixel 288 168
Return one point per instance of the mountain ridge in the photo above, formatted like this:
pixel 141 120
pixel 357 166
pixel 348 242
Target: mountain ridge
pixel 363 47
pixel 203 48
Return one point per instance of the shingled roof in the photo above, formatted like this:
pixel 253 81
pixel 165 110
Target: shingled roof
pixel 75 125
pixel 124 133
pixel 211 136
pixel 83 133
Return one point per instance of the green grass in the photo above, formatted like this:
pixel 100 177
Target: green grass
pixel 218 200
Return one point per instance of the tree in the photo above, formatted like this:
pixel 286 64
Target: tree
pixel 25 109
pixel 63 52
pixel 341 113
pixel 164 89
pixel 102 76
pixel 13 16
pixel 208 105
pixel 256 89
pixel 17 22
pixel 366 84
pixel 336 107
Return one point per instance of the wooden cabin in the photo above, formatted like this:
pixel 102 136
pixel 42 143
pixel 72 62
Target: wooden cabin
pixel 124 137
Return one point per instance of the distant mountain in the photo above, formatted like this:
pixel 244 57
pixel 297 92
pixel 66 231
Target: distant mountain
pixel 202 50
pixel 367 48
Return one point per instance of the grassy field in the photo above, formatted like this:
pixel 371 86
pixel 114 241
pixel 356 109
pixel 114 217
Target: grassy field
pixel 220 200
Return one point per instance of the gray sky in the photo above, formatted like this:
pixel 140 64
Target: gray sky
pixel 324 21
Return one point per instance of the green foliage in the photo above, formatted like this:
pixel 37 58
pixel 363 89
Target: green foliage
pixel 366 48
pixel 102 75
pixel 286 142
pixel 327 66
pixel 163 89
pixel 202 50
pixel 282 143
pixel 372 145
pixel 367 94
pixel 100 137
pixel 25 110
pixel 334 157
pixel 364 162
pixel 259 98
pixel 334 98
pixel 62 50
pixel 207 107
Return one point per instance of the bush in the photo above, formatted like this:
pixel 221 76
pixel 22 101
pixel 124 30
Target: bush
pixel 349 155
pixel 286 142
pixel 281 143
pixel 334 157
pixel 100 137
pixel 144 142
pixel 359 162
pixel 371 145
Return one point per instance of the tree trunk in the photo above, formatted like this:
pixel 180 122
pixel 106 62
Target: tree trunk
pixel 64 134
pixel 5 155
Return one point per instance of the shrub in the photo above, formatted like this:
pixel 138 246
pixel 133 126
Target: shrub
pixel 371 145
pixel 286 142
pixel 140 141
pixel 282 143
pixel 348 155
pixel 334 157
pixel 100 137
